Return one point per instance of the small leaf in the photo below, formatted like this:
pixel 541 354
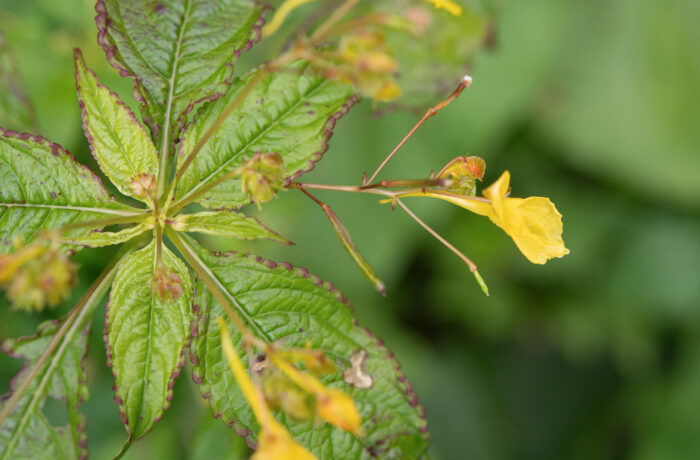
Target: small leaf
pixel 146 338
pixel 42 188
pixel 16 112
pixel 100 239
pixel 119 143
pixel 180 52
pixel 26 432
pixel 225 223
pixel 291 112
pixel 291 308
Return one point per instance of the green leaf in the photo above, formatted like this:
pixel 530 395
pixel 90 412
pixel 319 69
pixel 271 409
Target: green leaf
pixel 291 308
pixel 26 432
pixel 291 112
pixel 100 239
pixel 146 338
pixel 42 187
pixel 16 112
pixel 119 143
pixel 225 223
pixel 180 52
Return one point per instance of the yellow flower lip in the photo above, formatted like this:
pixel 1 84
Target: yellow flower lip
pixel 533 223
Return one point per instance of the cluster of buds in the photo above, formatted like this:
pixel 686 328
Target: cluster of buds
pixel 36 275
pixel 143 186
pixel 166 284
pixel 363 59
pixel 261 176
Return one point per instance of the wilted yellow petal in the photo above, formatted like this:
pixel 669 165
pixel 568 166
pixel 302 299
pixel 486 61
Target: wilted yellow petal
pixel 337 408
pixel 448 5
pixel 281 14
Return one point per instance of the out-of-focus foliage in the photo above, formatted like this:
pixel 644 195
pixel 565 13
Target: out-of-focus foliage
pixel 595 104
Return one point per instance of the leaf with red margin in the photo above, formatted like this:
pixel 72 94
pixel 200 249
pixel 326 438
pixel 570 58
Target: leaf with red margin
pixel 179 52
pixel 290 307
pixel 291 112
pixel 42 187
pixel 26 432
pixel 146 338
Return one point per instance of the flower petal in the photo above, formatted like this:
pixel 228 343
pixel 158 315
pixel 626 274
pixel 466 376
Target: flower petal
pixel 535 225
pixel 496 192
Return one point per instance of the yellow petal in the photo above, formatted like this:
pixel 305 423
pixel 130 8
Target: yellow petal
pixel 535 225
pixel 277 444
pixel 337 408
pixel 470 203
pixel 496 192
pixel 448 5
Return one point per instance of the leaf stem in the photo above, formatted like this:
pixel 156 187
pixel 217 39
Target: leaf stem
pixel 62 337
pixel 216 289
pixel 104 222
pixel 325 28
pixel 463 84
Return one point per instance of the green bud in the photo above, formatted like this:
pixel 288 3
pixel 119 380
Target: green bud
pixel 143 186
pixel 262 176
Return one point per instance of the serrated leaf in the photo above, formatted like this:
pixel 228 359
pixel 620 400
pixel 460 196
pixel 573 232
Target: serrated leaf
pixel 100 239
pixel 119 143
pixel 146 338
pixel 26 432
pixel 42 187
pixel 179 52
pixel 291 308
pixel 291 112
pixel 16 112
pixel 226 223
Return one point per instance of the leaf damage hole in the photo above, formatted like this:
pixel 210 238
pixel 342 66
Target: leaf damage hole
pixel 356 375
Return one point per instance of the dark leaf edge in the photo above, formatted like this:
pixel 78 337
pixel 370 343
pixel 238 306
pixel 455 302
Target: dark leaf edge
pixel 56 150
pixel 119 401
pixel 389 356
pixel 7 346
pixel 103 21
pixel 315 157
pixel 78 56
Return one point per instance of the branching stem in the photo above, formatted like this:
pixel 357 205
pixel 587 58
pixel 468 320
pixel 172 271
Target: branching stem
pixel 463 84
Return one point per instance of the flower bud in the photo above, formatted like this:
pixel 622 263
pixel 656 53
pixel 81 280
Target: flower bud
pixel 262 176
pixel 166 284
pixel 462 173
pixel 143 186
pixel 281 393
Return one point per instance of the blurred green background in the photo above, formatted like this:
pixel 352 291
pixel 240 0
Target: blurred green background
pixel 595 104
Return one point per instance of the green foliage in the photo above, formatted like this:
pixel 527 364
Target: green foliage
pixel 291 112
pixel 146 337
pixel 289 307
pixel 42 187
pixel 180 52
pixel 181 55
pixel 16 112
pixel 118 141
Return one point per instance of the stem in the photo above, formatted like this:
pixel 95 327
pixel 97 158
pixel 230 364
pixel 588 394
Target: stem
pixel 219 292
pixel 68 329
pixel 104 222
pixel 334 18
pixel 162 172
pixel 467 260
pixel 240 97
pixel 193 196
pixel 463 84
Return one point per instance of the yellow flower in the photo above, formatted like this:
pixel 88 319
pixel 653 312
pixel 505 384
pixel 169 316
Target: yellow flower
pixel 337 408
pixel 534 223
pixel 274 441
pixel 448 5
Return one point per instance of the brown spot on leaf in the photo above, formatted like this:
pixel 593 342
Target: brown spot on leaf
pixel 356 375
